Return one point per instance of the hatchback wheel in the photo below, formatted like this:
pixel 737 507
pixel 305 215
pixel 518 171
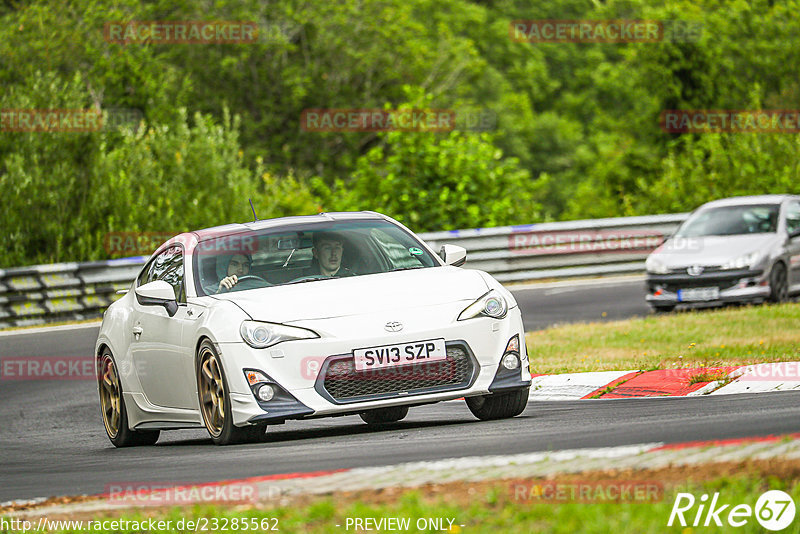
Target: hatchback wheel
pixel 215 403
pixel 779 287
pixel 112 404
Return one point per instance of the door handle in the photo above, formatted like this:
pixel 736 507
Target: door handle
pixel 137 331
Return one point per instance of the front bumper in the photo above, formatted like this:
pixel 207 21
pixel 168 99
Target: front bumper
pixel 733 286
pixel 299 368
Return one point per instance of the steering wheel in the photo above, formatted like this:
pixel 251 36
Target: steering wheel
pixel 248 281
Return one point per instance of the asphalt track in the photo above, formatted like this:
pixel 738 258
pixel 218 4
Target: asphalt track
pixel 53 443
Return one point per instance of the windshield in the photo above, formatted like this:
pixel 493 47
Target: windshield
pixel 731 220
pixel 304 253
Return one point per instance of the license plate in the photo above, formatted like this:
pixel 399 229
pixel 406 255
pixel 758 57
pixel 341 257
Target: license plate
pixel 698 293
pixel 400 354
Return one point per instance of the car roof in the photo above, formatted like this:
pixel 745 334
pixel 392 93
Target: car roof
pixel 748 200
pixel 235 228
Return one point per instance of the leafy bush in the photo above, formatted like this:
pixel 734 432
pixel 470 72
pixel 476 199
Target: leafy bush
pixel 577 123
pixel 432 182
pixel 63 191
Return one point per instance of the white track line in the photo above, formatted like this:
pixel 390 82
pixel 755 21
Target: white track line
pixel 44 329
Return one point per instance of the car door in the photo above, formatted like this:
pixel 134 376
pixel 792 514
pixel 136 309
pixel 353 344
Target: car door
pixel 793 246
pixel 161 355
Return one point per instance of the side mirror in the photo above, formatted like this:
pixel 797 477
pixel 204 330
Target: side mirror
pixel 794 234
pixel 453 255
pixel 158 293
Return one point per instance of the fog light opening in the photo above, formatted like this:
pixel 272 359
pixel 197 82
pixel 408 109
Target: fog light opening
pixel 510 361
pixel 513 344
pixel 266 393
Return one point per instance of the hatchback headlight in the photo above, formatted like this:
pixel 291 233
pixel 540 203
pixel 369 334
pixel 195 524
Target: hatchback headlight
pixel 261 335
pixel 742 262
pixel 492 304
pixel 655 266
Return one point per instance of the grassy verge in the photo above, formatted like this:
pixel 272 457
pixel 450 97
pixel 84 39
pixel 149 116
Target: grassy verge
pixel 728 336
pixel 500 506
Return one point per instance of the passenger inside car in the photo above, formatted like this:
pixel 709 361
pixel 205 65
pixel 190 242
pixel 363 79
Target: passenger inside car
pixel 328 250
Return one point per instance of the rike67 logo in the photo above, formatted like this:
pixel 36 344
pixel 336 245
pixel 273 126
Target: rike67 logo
pixel 774 510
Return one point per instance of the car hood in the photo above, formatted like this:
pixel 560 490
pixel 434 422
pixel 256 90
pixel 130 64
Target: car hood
pixel 712 250
pixel 360 295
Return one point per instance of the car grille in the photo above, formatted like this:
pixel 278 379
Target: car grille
pixel 706 269
pixel 699 281
pixel 342 383
pixel 719 278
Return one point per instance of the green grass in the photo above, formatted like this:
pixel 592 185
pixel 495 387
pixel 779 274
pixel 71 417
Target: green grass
pixel 494 509
pixel 729 336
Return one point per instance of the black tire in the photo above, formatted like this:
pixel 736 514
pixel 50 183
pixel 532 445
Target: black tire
pixel 221 429
pixel 664 309
pixel 778 284
pixel 383 416
pixel 499 405
pixel 114 413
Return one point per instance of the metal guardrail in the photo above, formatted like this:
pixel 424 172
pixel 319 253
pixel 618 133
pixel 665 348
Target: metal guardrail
pixel 597 247
pixel 62 291
pixel 594 247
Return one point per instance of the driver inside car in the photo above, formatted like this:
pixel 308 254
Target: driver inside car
pixel 238 265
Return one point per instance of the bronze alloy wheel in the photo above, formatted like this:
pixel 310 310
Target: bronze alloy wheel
pixel 112 404
pixel 110 395
pixel 212 392
pixel 215 401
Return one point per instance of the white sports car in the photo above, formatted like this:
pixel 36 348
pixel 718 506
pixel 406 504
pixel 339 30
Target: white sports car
pixel 240 326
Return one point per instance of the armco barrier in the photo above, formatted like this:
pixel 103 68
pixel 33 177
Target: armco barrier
pixel 597 247
pixel 593 247
pixel 62 291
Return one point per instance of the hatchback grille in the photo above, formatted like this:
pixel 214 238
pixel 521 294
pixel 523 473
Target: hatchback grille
pixel 687 283
pixel 340 381
pixel 706 269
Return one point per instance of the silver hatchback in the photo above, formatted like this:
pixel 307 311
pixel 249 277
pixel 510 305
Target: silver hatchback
pixel 741 249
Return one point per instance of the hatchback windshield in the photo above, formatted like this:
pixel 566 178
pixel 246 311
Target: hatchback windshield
pixel 732 220
pixel 307 253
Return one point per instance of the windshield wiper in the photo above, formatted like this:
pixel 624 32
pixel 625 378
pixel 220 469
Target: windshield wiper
pixel 306 280
pixel 405 269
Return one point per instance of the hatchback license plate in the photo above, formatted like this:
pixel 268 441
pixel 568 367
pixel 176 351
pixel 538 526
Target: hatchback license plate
pixel 401 354
pixel 698 294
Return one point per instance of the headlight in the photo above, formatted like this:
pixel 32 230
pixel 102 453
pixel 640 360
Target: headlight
pixel 261 335
pixel 492 304
pixel 742 262
pixel 652 265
